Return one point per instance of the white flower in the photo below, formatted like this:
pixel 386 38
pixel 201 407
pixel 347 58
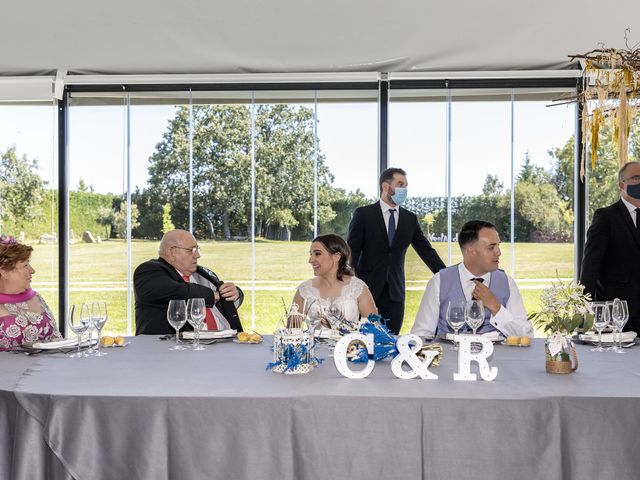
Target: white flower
pixel 21 321
pixel 13 331
pixel 30 334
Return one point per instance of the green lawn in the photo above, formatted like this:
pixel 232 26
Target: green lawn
pixel 99 272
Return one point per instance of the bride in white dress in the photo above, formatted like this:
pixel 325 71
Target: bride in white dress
pixel 334 286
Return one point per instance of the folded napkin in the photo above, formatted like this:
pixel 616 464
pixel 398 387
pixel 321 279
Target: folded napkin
pixel 211 334
pixel 494 336
pixel 608 337
pixel 54 344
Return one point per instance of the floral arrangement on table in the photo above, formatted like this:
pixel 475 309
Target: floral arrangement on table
pixel 565 308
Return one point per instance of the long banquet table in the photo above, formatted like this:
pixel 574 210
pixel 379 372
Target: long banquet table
pixel 144 412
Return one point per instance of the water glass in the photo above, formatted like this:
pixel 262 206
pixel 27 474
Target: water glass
pixel 77 327
pixel 619 317
pixel 456 317
pixel 86 317
pixel 475 314
pixel 99 318
pixel 177 317
pixel 600 321
pixel 196 309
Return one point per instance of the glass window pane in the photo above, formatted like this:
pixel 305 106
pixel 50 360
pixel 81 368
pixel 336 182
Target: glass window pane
pixel 417 143
pixel 97 206
pixel 28 189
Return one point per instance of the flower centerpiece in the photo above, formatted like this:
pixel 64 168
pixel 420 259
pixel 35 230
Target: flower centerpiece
pixel 565 308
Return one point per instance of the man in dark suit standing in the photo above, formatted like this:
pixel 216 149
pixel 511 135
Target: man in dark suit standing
pixel 611 261
pixel 177 275
pixel 379 235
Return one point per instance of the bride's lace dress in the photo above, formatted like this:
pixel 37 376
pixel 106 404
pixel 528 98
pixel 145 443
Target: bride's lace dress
pixel 347 302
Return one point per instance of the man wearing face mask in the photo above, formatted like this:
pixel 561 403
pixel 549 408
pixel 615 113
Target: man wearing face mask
pixel 611 261
pixel 379 235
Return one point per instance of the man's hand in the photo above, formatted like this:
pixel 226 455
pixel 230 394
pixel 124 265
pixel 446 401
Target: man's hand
pixel 229 291
pixel 489 300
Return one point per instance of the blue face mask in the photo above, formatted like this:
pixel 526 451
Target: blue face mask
pixel 634 191
pixel 400 196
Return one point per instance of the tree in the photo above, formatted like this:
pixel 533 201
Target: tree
pixel 541 206
pixel 284 149
pixel 21 191
pixel 120 219
pixel 532 173
pixel 167 224
pixel 106 217
pixel 492 186
pixel 603 179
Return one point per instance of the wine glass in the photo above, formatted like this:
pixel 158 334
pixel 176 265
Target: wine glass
pixel 619 317
pixel 86 317
pixel 474 313
pixel 600 321
pixel 77 327
pixel 455 317
pixel 335 315
pixel 99 316
pixel 196 309
pixel 177 317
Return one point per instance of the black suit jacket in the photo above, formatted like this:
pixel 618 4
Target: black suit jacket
pixel 611 261
pixel 375 261
pixel 155 282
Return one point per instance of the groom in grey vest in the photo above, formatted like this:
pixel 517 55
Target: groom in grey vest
pixel 478 277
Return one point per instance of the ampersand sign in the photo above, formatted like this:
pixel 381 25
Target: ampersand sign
pixel 408 346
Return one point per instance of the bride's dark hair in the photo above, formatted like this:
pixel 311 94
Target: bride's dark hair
pixel 335 244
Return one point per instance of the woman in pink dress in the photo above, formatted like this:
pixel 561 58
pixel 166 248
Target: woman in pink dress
pixel 24 315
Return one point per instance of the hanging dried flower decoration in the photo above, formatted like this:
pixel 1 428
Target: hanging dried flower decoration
pixel 610 92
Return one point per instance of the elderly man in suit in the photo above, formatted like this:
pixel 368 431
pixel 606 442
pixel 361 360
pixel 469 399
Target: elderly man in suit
pixel 611 261
pixel 177 275
pixel 379 235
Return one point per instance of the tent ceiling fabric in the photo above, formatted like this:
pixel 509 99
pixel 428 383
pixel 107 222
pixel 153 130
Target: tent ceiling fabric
pixel 286 36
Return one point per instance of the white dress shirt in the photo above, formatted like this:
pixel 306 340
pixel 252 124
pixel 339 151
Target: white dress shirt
pixel 386 214
pixel 222 322
pixel 632 211
pixel 511 320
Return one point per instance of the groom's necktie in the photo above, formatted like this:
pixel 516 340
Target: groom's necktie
pixel 392 225
pixel 638 219
pixel 481 280
pixel 209 318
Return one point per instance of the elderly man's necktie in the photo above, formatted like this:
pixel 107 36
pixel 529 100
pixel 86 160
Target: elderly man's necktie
pixel 638 219
pixel 209 318
pixel 392 225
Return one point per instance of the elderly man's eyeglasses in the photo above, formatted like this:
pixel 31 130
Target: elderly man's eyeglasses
pixel 193 250
pixel 632 180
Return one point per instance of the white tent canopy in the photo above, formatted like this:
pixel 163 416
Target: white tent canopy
pixel 194 37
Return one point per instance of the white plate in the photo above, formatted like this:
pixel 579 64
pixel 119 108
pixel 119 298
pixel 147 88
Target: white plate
pixel 65 344
pixel 211 334
pixel 449 338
